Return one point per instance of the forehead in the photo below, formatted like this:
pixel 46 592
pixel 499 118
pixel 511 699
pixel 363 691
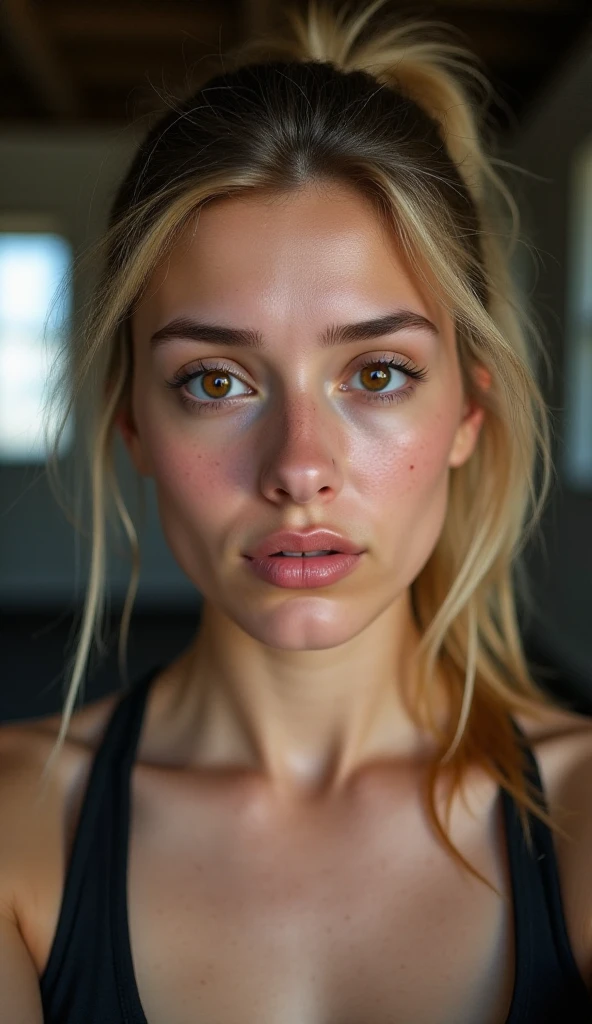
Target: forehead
pixel 321 252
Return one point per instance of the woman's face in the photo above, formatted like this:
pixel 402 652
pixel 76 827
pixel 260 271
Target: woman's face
pixel 299 435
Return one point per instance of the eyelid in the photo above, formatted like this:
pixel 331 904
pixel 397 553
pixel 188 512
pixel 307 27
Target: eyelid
pixel 397 361
pixel 200 365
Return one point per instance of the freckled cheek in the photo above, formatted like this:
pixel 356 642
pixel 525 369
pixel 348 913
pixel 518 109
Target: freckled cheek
pixel 192 483
pixel 412 465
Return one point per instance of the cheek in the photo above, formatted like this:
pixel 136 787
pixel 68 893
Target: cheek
pixel 189 472
pixel 407 467
pixel 191 479
pixel 414 462
pixel 195 490
pixel 403 483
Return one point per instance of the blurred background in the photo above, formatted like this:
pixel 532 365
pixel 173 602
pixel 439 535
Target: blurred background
pixel 80 82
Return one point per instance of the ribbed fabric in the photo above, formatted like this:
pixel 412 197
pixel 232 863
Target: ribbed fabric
pixel 89 977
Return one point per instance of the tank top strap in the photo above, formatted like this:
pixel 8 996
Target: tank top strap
pixel 545 964
pixel 547 860
pixel 111 766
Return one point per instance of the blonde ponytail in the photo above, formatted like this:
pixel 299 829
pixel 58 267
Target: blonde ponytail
pixel 413 57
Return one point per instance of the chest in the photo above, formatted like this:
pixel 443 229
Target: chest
pixel 365 920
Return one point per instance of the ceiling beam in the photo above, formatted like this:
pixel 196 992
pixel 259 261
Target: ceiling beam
pixel 36 59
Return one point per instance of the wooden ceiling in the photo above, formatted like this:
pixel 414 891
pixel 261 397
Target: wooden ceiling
pixel 103 62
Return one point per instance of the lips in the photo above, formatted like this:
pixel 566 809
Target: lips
pixel 316 540
pixel 305 554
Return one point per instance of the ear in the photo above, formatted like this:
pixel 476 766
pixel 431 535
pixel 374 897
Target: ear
pixel 467 433
pixel 124 420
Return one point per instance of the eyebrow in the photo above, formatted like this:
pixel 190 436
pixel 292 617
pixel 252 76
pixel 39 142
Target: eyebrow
pixel 217 334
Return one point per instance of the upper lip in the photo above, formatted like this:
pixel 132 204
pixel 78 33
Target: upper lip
pixel 315 540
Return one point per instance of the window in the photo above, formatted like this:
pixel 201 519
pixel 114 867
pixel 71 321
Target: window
pixel 35 305
pixel 578 370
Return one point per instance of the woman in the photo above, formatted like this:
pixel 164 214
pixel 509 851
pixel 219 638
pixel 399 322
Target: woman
pixel 327 809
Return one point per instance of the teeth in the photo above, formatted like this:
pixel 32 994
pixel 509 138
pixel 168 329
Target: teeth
pixel 305 554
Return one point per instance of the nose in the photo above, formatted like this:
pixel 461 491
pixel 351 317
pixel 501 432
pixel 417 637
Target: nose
pixel 300 461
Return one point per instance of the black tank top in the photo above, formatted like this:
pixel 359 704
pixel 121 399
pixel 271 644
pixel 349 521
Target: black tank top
pixel 89 977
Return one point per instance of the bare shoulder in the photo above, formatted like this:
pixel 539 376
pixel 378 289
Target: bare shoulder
pixel 563 748
pixel 32 820
pixel 562 744
pixel 554 722
pixel 39 816
pixel 25 746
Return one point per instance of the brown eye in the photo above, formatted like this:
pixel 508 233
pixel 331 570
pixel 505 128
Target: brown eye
pixel 215 383
pixel 375 376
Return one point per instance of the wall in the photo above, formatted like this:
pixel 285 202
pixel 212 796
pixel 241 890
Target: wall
pixel 561 568
pixel 72 176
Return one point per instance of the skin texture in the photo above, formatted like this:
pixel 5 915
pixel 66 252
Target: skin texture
pixel 301 686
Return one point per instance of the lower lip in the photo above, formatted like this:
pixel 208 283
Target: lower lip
pixel 301 573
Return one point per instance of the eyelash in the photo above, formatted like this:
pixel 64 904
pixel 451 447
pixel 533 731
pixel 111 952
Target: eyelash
pixel 197 405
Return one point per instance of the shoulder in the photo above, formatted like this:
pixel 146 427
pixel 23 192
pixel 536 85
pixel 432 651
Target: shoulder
pixel 37 817
pixel 26 744
pixel 32 819
pixel 562 745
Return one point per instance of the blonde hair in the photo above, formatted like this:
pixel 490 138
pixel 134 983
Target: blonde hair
pixel 392 113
